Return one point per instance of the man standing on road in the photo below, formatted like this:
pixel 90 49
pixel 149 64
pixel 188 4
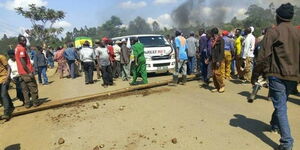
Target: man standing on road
pixel 104 63
pixel 125 61
pixel 87 56
pixel 181 58
pixel 139 67
pixel 117 64
pixel 41 66
pixel 238 49
pixel 71 56
pixel 228 53
pixel 192 44
pixel 4 85
pixel 279 59
pixel 248 54
pixel 25 69
pixel 217 57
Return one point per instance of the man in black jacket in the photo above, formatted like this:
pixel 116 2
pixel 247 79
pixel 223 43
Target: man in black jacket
pixel 279 60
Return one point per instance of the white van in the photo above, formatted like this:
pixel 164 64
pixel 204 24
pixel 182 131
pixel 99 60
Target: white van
pixel 160 56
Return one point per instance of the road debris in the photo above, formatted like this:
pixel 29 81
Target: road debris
pixel 96 105
pixel 61 141
pixel 174 141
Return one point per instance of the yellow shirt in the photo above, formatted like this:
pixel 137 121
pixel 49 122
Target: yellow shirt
pixel 3 68
pixel 238 45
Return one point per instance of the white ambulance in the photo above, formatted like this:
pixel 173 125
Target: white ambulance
pixel 160 56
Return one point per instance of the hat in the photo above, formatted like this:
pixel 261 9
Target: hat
pixel 225 33
pixel 123 40
pixel 118 42
pixel 285 12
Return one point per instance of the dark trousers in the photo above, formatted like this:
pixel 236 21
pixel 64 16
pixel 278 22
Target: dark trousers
pixel 116 71
pixel 71 64
pixel 88 68
pixel 6 100
pixel 19 92
pixel 29 88
pixel 107 75
pixel 191 64
pixel 204 70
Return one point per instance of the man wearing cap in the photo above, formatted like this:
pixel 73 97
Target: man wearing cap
pixel 279 60
pixel 125 61
pixel 87 57
pixel 117 64
pixel 248 54
pixel 228 52
pixel 192 44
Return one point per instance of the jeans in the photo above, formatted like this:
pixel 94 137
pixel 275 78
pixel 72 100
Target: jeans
pixel 191 64
pixel 125 71
pixel 50 62
pixel 42 72
pixel 107 77
pixel 279 92
pixel 6 100
pixel 88 68
pixel 71 64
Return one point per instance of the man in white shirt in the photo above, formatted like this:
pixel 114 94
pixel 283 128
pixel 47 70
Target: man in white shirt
pixel 117 64
pixel 14 75
pixel 248 54
pixel 87 57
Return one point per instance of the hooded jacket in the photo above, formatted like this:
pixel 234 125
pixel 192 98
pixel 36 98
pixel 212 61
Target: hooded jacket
pixel 280 53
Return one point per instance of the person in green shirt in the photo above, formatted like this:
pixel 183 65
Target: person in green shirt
pixel 139 65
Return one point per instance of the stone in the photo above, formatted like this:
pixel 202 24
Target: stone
pixel 96 148
pixel 61 141
pixel 101 146
pixel 174 141
pixel 96 105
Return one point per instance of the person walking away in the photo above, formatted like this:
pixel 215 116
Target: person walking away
pixel 217 57
pixel 139 66
pixel 117 64
pixel 104 63
pixel 181 58
pixel 238 50
pixel 202 45
pixel 49 56
pixel 62 63
pixel 14 75
pixel 41 66
pixel 279 60
pixel 87 56
pixel 25 69
pixel 248 54
pixel 192 44
pixel 125 61
pixel 71 56
pixel 4 85
pixel 228 53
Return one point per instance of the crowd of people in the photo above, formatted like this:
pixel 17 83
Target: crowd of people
pixel 215 54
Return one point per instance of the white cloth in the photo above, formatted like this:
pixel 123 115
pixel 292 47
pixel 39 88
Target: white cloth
pixel 248 46
pixel 14 69
pixel 87 54
pixel 117 51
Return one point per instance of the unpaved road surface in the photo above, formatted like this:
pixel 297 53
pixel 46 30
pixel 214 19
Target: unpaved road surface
pixel 193 117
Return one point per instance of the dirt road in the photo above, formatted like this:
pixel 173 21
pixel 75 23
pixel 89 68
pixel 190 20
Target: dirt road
pixel 190 115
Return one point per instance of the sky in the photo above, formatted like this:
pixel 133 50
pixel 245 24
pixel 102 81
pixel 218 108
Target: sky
pixel 92 13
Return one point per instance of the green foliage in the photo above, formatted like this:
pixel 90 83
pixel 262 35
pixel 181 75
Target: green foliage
pixel 42 20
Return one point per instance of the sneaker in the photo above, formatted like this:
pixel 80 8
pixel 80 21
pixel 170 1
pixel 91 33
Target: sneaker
pixel 281 147
pixel 27 105
pixel 214 90
pixel 6 117
pixel 222 90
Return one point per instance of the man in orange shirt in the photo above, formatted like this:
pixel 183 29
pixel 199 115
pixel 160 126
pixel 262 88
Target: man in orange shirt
pixel 25 69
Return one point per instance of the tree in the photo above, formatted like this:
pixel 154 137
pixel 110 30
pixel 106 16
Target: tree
pixel 42 20
pixel 112 27
pixel 139 26
pixel 155 27
pixel 4 37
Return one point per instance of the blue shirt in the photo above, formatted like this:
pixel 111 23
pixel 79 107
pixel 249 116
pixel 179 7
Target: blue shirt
pixel 228 43
pixel 180 43
pixel 70 54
